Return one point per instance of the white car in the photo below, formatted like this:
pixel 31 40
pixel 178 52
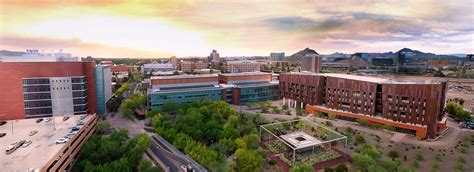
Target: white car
pixel 27 143
pixel 11 148
pixel 48 119
pixel 62 140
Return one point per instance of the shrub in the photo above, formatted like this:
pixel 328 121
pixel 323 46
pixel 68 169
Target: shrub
pixel 331 116
pixel 359 138
pixel 349 130
pixel 393 154
pixel 285 106
pixel 419 156
pixel 288 112
pixel 272 162
pixel 341 168
pixel 389 127
pixel 362 121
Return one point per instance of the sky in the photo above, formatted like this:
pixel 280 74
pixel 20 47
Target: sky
pixel 163 28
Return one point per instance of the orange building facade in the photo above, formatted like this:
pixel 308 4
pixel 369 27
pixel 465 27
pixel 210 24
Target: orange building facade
pixel 415 108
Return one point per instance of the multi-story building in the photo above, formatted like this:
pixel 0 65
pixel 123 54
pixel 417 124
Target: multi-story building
pixel 103 87
pixel 242 66
pixel 44 154
pixel 38 89
pixel 183 89
pixel 189 66
pixel 214 56
pixel 277 56
pixel 248 87
pixel 414 107
pixel 238 88
pixel 311 63
pixel 174 61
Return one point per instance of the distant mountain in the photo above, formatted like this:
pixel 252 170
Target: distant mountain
pixel 415 54
pixel 296 58
pixel 11 53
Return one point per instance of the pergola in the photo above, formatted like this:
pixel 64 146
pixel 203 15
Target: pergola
pixel 304 137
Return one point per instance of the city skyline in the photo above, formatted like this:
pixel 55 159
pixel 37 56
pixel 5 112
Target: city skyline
pixel 194 28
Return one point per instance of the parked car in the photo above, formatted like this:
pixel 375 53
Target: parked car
pixel 27 143
pixel 33 132
pixel 3 135
pixel 80 123
pixel 62 140
pixel 75 128
pixel 11 148
pixel 3 123
pixel 83 117
pixel 48 119
pixel 39 120
pixel 65 118
pixel 20 143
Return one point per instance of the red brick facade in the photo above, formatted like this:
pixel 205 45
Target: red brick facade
pixel 11 89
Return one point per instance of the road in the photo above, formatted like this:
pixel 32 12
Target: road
pixel 170 156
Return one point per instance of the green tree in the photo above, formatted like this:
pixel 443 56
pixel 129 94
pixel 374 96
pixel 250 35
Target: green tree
pixel 248 160
pixel 359 138
pixel 302 168
pixel 341 168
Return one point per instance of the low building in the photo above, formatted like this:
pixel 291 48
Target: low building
pixel 183 89
pixel 413 107
pixel 238 88
pixel 248 87
pixel 242 66
pixel 44 154
pixel 156 67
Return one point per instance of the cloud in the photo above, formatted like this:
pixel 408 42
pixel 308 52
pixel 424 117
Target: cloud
pixel 74 46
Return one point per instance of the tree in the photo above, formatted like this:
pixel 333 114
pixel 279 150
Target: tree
pixel 302 168
pixel 393 154
pixel 102 126
pixel 248 160
pixel 362 121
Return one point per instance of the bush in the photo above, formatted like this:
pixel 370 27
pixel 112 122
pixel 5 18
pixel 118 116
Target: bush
pixel 285 106
pixel 419 156
pixel 362 122
pixel 349 130
pixel 393 154
pixel 389 127
pixel 331 116
pixel 288 112
pixel 359 139
pixel 272 162
pixel 341 168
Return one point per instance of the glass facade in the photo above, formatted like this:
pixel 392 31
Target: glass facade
pixel 99 90
pixel 158 99
pixel 258 94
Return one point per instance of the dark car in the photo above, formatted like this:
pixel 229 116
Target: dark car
pixel 39 120
pixel 75 128
pixel 3 123
pixel 65 118
pixel 3 135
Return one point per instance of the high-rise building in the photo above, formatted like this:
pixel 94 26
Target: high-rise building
pixel 413 107
pixel 277 56
pixel 311 63
pixel 39 89
pixel 214 56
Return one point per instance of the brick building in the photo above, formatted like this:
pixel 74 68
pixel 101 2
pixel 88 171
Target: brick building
pixel 414 107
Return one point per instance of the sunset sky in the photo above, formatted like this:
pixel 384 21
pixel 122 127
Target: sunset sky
pixel 112 28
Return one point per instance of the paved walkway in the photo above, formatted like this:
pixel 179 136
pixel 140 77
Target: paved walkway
pixel 134 127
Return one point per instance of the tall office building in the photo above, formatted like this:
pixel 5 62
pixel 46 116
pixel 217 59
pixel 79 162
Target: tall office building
pixel 311 63
pixel 38 89
pixel 277 56
pixel 214 56
pixel 413 107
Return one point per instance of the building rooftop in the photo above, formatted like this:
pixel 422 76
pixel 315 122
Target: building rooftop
pixel 43 147
pixel 300 139
pixel 369 79
pixel 244 74
pixel 183 76
pixel 242 62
